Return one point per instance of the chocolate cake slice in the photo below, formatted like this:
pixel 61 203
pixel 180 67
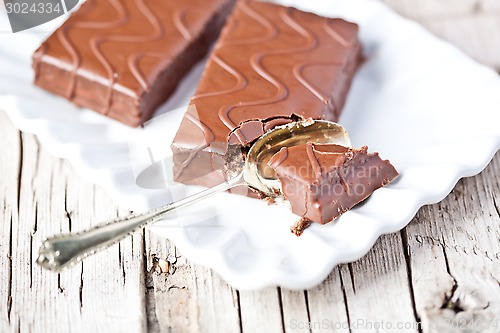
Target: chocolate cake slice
pixel 322 181
pixel 270 61
pixel 123 58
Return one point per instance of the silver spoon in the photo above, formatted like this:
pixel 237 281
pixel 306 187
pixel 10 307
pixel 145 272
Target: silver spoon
pixel 61 251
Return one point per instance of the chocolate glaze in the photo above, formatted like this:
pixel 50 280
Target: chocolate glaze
pixel 322 181
pixel 123 58
pixel 269 62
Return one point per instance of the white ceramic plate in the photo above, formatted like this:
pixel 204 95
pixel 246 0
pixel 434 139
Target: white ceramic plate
pixel 417 100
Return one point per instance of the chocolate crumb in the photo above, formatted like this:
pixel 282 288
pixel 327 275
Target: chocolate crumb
pixel 270 200
pixel 300 226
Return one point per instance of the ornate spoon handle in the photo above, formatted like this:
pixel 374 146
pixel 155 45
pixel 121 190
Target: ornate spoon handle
pixel 61 251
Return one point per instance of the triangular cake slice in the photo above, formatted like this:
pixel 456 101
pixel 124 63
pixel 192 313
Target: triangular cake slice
pixel 323 181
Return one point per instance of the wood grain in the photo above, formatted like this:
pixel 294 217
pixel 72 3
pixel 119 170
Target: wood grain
pixel 377 288
pixel 9 189
pixel 52 199
pixel 186 298
pixel 472 25
pixel 439 274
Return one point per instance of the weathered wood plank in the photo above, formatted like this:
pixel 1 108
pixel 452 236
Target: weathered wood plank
pixel 264 317
pixel 295 310
pixel 453 246
pixel 9 184
pixel 122 296
pixel 327 305
pixel 186 297
pixel 89 297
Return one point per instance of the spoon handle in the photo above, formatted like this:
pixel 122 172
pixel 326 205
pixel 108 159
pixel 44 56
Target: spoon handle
pixel 61 251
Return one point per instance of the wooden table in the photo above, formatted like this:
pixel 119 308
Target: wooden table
pixel 439 274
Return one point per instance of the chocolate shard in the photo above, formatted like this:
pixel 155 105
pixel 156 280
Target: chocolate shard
pixel 323 181
pixel 300 226
pixel 123 58
pixel 270 61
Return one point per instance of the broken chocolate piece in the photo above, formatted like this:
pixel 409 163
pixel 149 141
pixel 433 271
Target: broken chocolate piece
pixel 270 61
pixel 298 228
pixel 323 181
pixel 124 58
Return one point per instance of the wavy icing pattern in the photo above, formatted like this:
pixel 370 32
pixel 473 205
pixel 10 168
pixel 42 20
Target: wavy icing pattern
pixel 335 35
pixel 297 72
pixel 178 19
pixel 241 81
pixel 256 63
pixel 271 32
pixel 271 29
pixel 112 75
pixel 120 19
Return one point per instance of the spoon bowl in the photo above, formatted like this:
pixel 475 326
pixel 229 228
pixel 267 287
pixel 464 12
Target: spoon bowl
pixel 260 176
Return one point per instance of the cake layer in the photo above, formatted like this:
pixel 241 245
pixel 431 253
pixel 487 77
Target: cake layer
pixel 123 58
pixel 270 61
pixel 322 181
